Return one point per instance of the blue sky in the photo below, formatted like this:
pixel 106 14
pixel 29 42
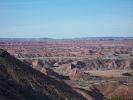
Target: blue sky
pixel 65 18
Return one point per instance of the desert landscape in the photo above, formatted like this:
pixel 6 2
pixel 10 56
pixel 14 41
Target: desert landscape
pixel 95 68
pixel 66 49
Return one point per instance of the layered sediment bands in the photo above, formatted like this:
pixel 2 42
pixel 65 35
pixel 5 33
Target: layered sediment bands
pixel 121 91
pixel 109 64
pixel 88 64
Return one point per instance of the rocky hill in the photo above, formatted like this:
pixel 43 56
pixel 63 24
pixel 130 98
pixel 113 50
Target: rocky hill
pixel 19 81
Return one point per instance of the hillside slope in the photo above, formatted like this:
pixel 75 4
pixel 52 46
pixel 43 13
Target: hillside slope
pixel 19 81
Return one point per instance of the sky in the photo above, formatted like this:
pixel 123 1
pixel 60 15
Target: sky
pixel 66 18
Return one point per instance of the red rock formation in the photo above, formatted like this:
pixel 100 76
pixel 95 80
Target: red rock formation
pixel 47 71
pixel 77 73
pixel 64 68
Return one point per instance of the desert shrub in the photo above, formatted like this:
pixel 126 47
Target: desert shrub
pixel 114 97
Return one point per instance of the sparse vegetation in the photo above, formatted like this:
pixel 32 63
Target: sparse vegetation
pixel 114 98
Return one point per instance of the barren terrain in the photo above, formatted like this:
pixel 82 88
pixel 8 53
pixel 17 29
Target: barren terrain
pixel 109 73
pixel 93 67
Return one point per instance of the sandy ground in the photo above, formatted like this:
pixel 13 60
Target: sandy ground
pixel 109 73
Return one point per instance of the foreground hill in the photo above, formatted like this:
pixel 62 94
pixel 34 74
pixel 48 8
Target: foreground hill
pixel 19 81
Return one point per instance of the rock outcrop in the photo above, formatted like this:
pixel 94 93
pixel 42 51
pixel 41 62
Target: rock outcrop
pixel 3 53
pixel 76 74
pixel 73 71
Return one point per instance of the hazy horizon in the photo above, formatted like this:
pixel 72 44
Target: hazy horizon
pixel 111 37
pixel 66 18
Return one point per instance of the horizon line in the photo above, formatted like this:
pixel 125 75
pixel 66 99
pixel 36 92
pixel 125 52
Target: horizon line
pixel 66 38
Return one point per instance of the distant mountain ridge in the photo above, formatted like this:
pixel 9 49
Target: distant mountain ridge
pixel 52 39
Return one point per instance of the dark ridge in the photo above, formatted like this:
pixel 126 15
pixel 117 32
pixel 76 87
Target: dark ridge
pixel 19 81
pixel 126 74
pixel 3 53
